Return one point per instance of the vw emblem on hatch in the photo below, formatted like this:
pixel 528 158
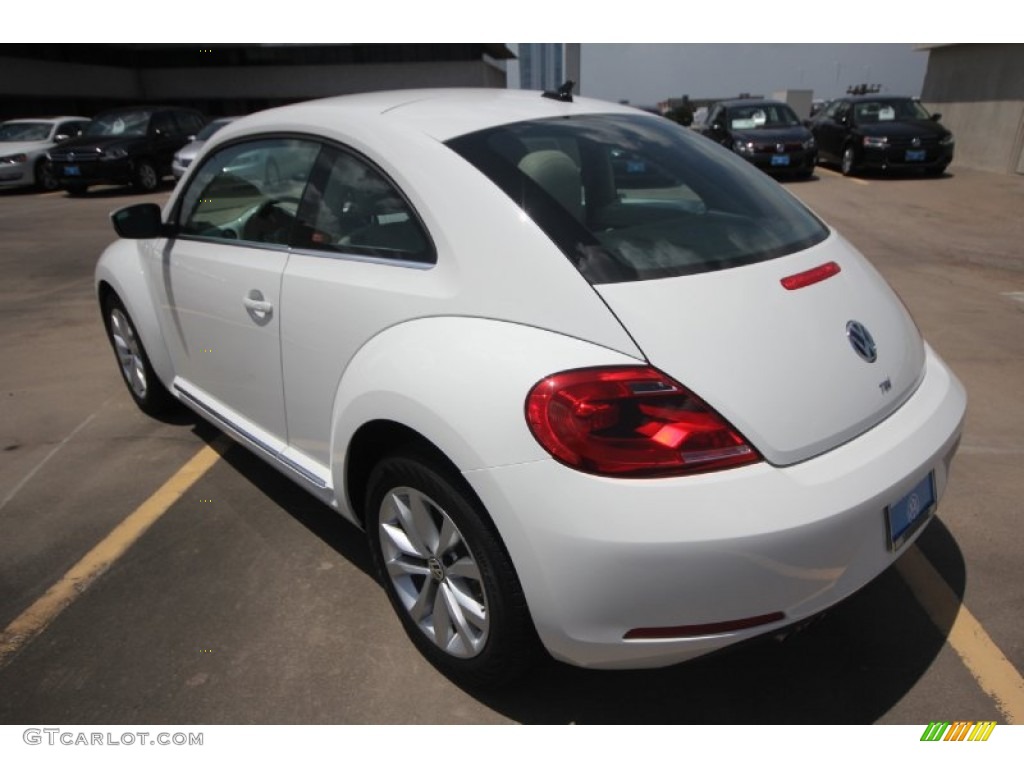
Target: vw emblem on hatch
pixel 780 147
pixel 861 341
pixel 915 142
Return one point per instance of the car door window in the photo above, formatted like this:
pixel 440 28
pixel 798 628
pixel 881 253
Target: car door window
pixel 248 192
pixel 163 125
pixel 350 207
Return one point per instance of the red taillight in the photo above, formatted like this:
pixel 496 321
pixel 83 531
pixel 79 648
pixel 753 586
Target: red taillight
pixel 631 422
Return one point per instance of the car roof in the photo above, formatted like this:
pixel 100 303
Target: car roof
pixel 58 119
pixel 752 102
pixel 876 97
pixel 442 113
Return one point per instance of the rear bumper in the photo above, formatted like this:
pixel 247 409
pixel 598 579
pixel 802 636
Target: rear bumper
pixel 599 557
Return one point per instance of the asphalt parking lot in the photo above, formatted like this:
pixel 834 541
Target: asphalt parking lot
pixel 249 602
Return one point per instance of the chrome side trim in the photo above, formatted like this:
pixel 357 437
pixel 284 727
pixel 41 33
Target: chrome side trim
pixel 256 442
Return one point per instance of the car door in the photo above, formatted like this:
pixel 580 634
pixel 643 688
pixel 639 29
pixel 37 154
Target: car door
pixel 220 286
pixel 830 130
pixel 358 265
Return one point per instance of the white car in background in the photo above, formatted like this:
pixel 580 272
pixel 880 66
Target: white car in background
pixel 23 147
pixel 183 157
pixel 590 382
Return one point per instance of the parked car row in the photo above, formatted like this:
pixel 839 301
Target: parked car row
pixel 857 133
pixel 139 146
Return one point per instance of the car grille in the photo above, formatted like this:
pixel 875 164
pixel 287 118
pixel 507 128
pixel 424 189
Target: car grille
pixel 74 155
pixel 903 142
pixel 773 146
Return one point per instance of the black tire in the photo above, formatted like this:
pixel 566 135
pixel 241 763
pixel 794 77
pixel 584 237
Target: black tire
pixel 145 177
pixel 137 372
pixel 937 171
pixel 491 641
pixel 848 162
pixel 77 190
pixel 45 178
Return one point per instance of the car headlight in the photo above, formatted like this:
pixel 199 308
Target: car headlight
pixel 12 159
pixel 743 147
pixel 115 153
pixel 947 140
pixel 876 142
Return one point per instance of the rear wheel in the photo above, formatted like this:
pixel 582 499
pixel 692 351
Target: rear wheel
pixel 446 572
pixel 145 387
pixel 77 190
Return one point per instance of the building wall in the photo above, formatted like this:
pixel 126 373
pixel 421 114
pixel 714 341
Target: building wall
pixel 36 85
pixel 979 90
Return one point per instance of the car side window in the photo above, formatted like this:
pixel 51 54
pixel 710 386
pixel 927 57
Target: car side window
pixel 350 207
pixel 248 192
pixel 163 124
pixel 189 123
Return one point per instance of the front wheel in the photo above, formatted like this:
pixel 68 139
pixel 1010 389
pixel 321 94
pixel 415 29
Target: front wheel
pixel 146 178
pixel 46 180
pixel 849 162
pixel 446 572
pixel 146 389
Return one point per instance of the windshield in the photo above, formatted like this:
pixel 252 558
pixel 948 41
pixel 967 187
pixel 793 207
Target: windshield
pixel 886 110
pixel 119 124
pixel 25 131
pixel 638 197
pixel 750 117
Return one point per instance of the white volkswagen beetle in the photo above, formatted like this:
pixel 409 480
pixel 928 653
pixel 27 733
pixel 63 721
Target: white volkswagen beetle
pixel 590 382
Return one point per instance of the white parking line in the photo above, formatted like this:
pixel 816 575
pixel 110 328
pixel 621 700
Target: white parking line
pixel 1015 295
pixel 50 455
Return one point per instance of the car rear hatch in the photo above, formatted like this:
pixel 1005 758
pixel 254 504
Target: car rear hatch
pixel 797 370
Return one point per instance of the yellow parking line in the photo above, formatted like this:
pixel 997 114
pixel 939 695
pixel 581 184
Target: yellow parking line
pixel 995 674
pixel 38 616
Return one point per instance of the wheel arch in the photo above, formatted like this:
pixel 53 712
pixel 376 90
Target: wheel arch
pixel 454 386
pixel 120 272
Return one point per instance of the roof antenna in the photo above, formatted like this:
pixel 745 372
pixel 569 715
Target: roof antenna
pixel 564 92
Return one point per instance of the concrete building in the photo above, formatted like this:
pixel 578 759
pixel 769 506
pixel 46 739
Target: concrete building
pixel 979 91
pixel 544 66
pixel 55 78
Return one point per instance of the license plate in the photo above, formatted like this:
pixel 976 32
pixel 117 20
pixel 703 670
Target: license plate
pixel 780 159
pixel 915 155
pixel 908 514
pixel 72 170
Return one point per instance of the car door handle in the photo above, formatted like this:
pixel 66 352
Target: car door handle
pixel 257 306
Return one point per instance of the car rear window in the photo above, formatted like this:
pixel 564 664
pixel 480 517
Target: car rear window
pixel 631 198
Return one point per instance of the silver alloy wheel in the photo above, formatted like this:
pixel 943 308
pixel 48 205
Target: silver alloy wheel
pixel 433 572
pixel 148 179
pixel 848 161
pixel 129 353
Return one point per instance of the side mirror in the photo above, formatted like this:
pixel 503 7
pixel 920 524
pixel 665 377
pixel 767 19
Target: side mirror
pixel 716 127
pixel 141 221
pixel 937 116
pixel 60 138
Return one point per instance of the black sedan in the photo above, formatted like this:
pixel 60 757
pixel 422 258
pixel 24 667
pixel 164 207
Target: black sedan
pixel 767 133
pixel 884 133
